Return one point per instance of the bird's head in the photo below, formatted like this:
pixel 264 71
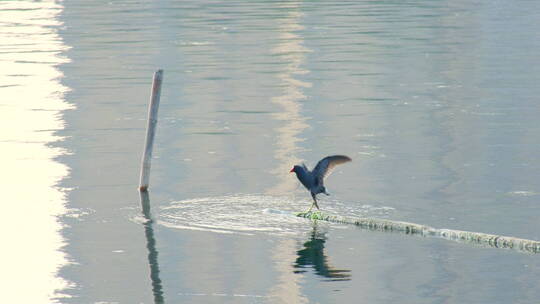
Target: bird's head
pixel 294 169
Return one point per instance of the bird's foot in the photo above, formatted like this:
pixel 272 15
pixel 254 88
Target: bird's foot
pixel 315 215
pixel 311 208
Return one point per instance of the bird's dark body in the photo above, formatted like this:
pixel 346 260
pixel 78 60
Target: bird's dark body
pixel 314 180
pixel 309 180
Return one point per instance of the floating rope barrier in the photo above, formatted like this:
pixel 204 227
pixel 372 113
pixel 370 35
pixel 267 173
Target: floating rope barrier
pixel 489 240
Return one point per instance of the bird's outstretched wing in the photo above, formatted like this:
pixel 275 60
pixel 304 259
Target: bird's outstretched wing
pixel 325 166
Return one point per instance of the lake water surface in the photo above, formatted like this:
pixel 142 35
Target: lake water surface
pixel 435 101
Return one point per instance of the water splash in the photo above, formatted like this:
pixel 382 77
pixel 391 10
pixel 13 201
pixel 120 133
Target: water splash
pixel 251 214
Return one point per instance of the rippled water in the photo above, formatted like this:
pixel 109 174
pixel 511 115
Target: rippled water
pixel 249 214
pixel 436 102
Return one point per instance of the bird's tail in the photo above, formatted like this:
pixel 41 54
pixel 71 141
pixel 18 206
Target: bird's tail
pixel 324 191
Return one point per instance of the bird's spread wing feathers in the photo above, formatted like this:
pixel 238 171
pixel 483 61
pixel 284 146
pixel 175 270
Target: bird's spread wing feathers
pixel 326 165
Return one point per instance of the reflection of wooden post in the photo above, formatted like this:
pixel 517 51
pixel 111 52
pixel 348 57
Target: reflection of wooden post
pixel 150 130
pixel 157 288
pixel 489 240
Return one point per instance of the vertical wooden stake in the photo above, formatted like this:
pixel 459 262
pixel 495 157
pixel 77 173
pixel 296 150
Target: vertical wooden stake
pixel 150 130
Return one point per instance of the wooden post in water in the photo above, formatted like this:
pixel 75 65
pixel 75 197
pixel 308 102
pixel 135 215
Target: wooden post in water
pixel 150 131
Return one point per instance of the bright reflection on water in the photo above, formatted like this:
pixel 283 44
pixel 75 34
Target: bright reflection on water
pixel 291 51
pixel 31 102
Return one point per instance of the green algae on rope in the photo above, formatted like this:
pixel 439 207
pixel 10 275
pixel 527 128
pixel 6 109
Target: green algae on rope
pixel 489 240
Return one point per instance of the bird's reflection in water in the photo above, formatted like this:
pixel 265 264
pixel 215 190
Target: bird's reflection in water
pixel 312 255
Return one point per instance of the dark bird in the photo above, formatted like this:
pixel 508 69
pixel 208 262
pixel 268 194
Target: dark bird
pixel 314 180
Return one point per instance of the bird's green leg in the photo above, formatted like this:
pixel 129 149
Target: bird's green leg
pixel 314 203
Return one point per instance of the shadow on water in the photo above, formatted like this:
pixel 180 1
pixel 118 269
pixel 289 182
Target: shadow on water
pixel 157 288
pixel 312 255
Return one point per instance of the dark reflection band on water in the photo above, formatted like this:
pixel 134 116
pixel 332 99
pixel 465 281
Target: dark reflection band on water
pixel 157 287
pixel 312 255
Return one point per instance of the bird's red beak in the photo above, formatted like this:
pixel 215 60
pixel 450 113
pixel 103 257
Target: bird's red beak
pixel 292 170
